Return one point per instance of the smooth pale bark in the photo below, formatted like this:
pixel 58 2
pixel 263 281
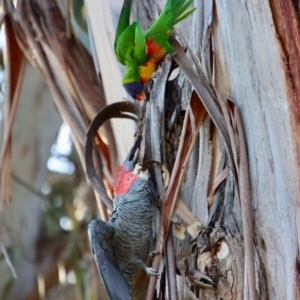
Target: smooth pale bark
pixel 34 132
pixel 260 88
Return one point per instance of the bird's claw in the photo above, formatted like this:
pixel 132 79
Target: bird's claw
pixel 151 271
pixel 153 253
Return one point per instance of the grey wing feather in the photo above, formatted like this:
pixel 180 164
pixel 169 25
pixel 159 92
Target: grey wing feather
pixel 115 284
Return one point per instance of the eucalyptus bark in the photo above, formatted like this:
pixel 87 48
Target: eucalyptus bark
pixel 247 51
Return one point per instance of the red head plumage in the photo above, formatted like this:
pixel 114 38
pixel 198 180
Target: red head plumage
pixel 127 174
pixel 124 181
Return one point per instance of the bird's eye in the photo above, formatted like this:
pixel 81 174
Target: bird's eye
pixel 128 178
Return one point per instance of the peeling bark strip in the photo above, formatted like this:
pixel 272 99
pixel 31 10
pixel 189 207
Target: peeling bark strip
pixel 65 64
pixel 246 207
pixel 231 131
pixel 207 96
pixel 125 110
pixel 14 62
pixel 192 123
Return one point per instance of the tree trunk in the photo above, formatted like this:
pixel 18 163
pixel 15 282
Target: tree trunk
pixel 238 60
pixel 260 43
pixel 242 56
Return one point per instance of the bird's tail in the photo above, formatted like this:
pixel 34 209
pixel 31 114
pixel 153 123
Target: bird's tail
pixel 173 12
pixel 123 20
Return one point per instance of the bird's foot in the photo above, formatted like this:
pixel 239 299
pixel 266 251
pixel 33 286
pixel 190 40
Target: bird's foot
pixel 151 271
pixel 153 253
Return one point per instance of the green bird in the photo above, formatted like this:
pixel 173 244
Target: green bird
pixel 142 52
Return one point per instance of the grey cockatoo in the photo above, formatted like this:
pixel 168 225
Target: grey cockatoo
pixel 121 245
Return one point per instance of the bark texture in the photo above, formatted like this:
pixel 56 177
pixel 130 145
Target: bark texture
pixel 238 59
pixel 263 81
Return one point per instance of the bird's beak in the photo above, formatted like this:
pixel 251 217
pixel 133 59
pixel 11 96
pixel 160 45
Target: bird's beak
pixel 138 170
pixel 140 97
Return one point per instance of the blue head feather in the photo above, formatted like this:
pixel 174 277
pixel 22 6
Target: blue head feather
pixel 134 89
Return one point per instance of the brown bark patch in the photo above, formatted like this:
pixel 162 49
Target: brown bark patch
pixel 287 26
pixel 298 277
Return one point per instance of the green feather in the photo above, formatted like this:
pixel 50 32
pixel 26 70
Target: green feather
pixel 131 75
pixel 173 12
pixel 131 47
pixel 123 20
pixel 140 45
pixel 130 41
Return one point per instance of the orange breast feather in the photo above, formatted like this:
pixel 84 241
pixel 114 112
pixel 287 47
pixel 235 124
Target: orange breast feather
pixel 155 54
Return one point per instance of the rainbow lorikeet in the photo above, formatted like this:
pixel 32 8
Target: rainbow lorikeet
pixel 141 52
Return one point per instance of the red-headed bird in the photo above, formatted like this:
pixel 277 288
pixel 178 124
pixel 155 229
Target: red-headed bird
pixel 121 246
pixel 141 52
